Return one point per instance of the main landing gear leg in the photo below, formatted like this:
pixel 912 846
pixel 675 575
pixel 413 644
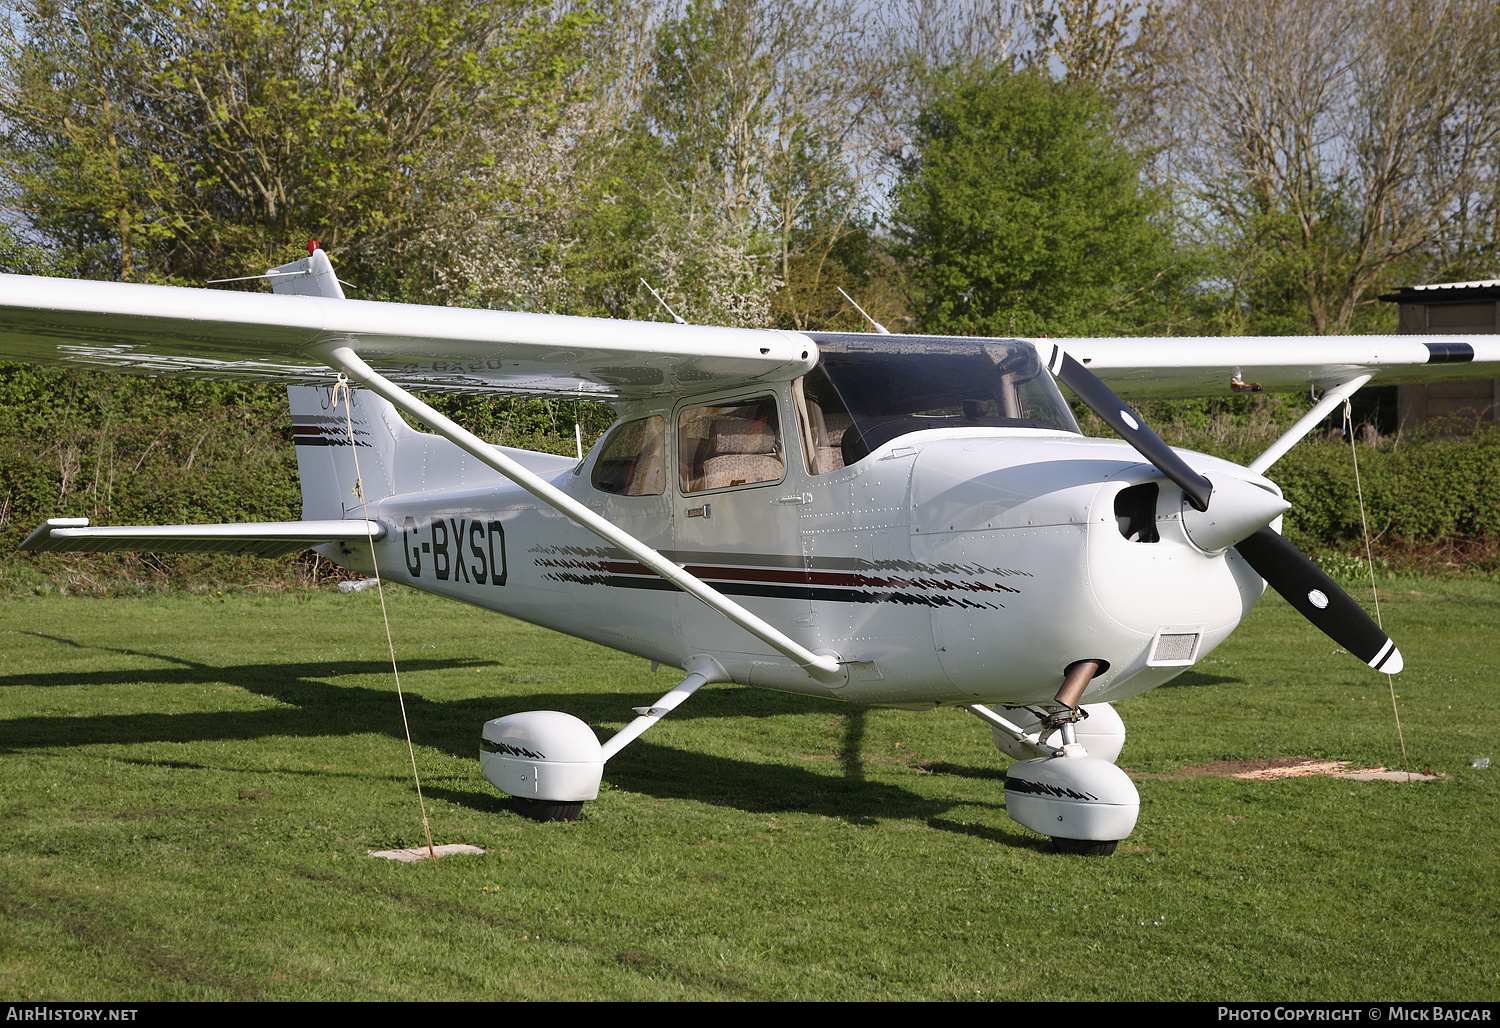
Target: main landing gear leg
pixel 701 670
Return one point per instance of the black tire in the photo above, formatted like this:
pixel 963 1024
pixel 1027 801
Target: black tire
pixel 1085 847
pixel 548 810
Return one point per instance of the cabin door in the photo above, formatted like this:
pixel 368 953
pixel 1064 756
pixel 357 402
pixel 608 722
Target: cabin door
pixel 736 520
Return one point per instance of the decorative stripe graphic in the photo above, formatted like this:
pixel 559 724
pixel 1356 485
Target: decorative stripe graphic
pixel 507 750
pixel 324 430
pixel 1449 353
pixel 835 579
pixel 1057 792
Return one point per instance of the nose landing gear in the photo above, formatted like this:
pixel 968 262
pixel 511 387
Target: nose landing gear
pixel 1087 805
pixel 1084 803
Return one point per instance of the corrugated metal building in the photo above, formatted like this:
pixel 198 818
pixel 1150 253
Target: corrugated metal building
pixel 1448 308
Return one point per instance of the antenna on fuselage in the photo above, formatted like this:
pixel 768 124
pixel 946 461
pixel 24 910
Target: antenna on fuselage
pixel 663 303
pixel 577 428
pixel 881 329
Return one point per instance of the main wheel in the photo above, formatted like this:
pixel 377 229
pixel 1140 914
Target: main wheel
pixel 1085 847
pixel 548 810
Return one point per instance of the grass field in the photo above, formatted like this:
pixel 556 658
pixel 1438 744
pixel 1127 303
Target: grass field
pixel 189 786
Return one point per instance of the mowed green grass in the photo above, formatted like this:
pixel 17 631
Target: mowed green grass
pixel 189 787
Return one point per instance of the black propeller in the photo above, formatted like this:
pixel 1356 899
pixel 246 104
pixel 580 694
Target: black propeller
pixel 1246 527
pixel 1102 400
pixel 1288 570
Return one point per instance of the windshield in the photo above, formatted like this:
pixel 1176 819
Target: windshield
pixel 892 385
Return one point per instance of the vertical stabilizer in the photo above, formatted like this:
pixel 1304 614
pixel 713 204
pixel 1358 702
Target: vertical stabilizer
pixel 311 276
pixel 326 454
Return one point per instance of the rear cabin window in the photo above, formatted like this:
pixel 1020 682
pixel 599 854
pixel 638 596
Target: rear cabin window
pixel 729 445
pixel 634 459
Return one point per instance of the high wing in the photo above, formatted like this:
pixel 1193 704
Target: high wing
pixel 241 336
pixel 1206 365
pixel 213 333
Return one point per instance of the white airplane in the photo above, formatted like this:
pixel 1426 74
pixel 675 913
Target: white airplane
pixel 884 519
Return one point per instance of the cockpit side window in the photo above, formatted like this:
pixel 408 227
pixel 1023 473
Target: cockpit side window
pixel 633 461
pixel 729 445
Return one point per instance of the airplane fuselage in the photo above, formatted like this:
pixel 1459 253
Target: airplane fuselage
pixel 952 565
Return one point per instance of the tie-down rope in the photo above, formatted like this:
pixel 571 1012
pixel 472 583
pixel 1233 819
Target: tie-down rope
pixel 341 389
pixel 1370 563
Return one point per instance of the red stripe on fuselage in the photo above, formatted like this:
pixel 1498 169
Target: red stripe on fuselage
pixel 797 576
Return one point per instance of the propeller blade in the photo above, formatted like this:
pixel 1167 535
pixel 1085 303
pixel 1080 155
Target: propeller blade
pixel 1102 400
pixel 1288 570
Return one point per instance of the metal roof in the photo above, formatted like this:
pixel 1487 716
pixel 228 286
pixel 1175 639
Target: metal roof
pixel 1447 292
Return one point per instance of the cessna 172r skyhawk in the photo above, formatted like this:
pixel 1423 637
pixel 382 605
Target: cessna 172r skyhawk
pixel 882 519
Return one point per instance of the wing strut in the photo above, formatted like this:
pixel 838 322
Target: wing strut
pixel 1335 395
pixel 821 668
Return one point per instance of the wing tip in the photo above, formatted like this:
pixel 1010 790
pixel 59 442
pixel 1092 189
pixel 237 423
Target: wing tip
pixel 38 539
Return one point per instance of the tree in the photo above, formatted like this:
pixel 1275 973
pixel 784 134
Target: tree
pixel 760 107
pixel 1022 215
pixel 175 141
pixel 1328 143
pixel 713 149
pixel 1114 46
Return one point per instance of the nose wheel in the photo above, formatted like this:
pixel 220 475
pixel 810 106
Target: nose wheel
pixel 1084 804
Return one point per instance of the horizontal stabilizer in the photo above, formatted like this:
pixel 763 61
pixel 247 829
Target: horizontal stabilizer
pixel 258 539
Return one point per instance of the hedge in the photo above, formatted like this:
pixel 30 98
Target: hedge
pixel 140 451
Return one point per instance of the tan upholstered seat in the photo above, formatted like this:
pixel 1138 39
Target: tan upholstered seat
pixel 744 452
pixel 740 469
pixel 741 435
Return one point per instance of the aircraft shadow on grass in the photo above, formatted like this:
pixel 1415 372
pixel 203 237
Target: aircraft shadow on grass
pixel 1191 679
pixel 313 706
